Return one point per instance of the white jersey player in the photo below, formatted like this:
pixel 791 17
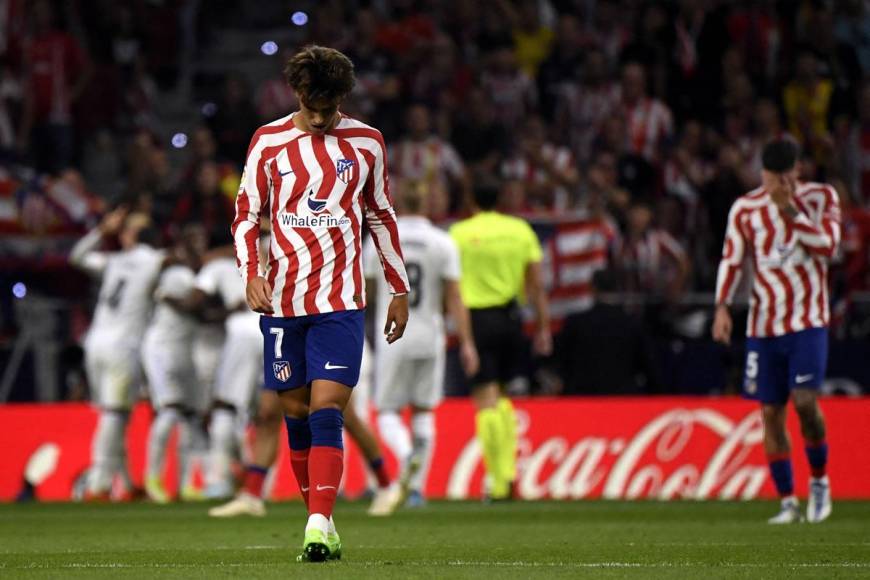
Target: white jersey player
pixel 167 356
pixel 115 336
pixel 239 373
pixel 410 372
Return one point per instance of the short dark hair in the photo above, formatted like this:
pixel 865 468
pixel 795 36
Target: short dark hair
pixel 487 193
pixel 319 73
pixel 780 155
pixel 604 281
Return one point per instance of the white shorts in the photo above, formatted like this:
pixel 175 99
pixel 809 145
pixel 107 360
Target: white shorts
pixel 207 347
pixel 402 381
pixel 171 374
pixel 114 374
pixel 240 373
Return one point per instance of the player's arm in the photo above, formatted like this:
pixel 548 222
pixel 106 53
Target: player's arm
pixel 728 276
pixel 457 311
pixel 85 255
pixel 537 294
pixel 381 218
pixel 818 239
pixel 252 199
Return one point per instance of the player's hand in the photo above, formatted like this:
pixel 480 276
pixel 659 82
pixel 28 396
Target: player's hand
pixel 783 194
pixel 259 295
pixel 469 359
pixel 542 343
pixel 113 221
pixel 722 325
pixel 397 318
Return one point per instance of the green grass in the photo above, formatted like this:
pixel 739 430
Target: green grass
pixel 446 540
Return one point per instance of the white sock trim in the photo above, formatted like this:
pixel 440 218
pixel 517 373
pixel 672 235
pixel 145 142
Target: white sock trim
pixel 317 522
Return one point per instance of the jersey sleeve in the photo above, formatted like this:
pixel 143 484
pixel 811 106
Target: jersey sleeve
pixel 175 283
pixel 251 200
pixel 381 218
pixel 820 238
pixel 206 280
pixel 370 258
pixel 452 264
pixel 733 254
pixel 84 254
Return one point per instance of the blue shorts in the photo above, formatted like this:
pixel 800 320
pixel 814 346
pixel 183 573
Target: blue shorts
pixel 776 365
pixel 302 349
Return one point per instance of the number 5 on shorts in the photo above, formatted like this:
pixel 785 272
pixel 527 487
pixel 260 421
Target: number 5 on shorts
pixel 751 365
pixel 279 336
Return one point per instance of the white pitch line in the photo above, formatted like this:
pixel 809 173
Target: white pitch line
pixel 458 563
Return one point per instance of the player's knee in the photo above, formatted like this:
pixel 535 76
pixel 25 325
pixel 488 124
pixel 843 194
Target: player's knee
pixel 295 408
pixel 805 402
pixel 773 416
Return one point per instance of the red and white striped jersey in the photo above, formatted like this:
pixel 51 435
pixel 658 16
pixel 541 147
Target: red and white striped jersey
pixel 790 259
pixel 651 261
pixel 314 190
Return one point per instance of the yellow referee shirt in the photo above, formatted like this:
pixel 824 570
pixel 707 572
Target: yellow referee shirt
pixel 495 250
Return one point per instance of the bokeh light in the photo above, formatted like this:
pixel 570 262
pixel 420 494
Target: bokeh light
pixel 19 290
pixel 179 140
pixel 299 18
pixel 269 48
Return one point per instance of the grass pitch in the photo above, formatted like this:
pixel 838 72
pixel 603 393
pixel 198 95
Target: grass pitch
pixel 445 540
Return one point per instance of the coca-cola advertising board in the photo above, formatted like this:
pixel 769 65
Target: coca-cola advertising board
pixel 570 448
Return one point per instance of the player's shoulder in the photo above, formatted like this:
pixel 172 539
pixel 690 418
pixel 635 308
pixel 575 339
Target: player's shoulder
pixel 815 187
pixel 277 127
pixel 752 198
pixel 348 127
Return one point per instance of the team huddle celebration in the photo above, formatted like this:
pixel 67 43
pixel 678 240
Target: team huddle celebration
pixel 589 252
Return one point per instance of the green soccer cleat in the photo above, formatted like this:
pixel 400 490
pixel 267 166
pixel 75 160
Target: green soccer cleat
pixel 156 491
pixel 315 547
pixel 334 543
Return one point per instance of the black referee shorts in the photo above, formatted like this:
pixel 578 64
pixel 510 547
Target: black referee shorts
pixel 498 334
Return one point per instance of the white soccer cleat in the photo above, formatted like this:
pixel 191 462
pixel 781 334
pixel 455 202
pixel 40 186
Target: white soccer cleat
pixel 789 512
pixel 243 504
pixel 386 501
pixel 819 502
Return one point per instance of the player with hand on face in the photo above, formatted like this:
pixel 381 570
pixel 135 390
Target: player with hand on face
pixel 317 174
pixel 114 340
pixel 791 230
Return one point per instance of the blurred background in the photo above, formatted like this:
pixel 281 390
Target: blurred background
pixel 622 130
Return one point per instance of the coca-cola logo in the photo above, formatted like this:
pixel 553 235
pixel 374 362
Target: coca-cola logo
pixel 682 453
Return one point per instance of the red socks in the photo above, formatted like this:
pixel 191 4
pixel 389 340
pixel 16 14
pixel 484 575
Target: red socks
pixel 254 478
pixel 299 463
pixel 325 467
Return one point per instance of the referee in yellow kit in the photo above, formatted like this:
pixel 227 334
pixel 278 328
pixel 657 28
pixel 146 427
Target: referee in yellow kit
pixel 501 266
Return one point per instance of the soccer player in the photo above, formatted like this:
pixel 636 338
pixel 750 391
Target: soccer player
pixel 315 173
pixel 501 262
pixel 410 373
pixel 790 230
pixel 167 358
pixel 112 345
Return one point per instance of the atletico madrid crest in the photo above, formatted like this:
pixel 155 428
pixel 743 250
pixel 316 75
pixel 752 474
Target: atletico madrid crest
pixel 344 169
pixel 282 370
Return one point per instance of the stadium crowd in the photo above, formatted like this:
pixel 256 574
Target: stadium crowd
pixel 642 120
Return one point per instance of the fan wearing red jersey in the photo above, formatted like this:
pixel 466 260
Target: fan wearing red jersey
pixel 317 174
pixel 790 230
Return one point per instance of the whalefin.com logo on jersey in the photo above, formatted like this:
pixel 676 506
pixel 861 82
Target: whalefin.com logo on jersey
pixel 318 218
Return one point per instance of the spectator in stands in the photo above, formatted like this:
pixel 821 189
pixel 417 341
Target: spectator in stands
pixel 513 92
pixel 854 151
pixel 207 204
pixel 275 98
pixel 10 99
pixel 444 81
pixel 649 121
pixel 807 102
pixel 533 38
pixel 429 160
pixel 652 262
pixel 563 69
pixel 480 141
pixel 603 350
pixel 636 174
pixel 583 108
pixel 235 120
pixel 376 93
pixel 56 72
pixel 546 171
